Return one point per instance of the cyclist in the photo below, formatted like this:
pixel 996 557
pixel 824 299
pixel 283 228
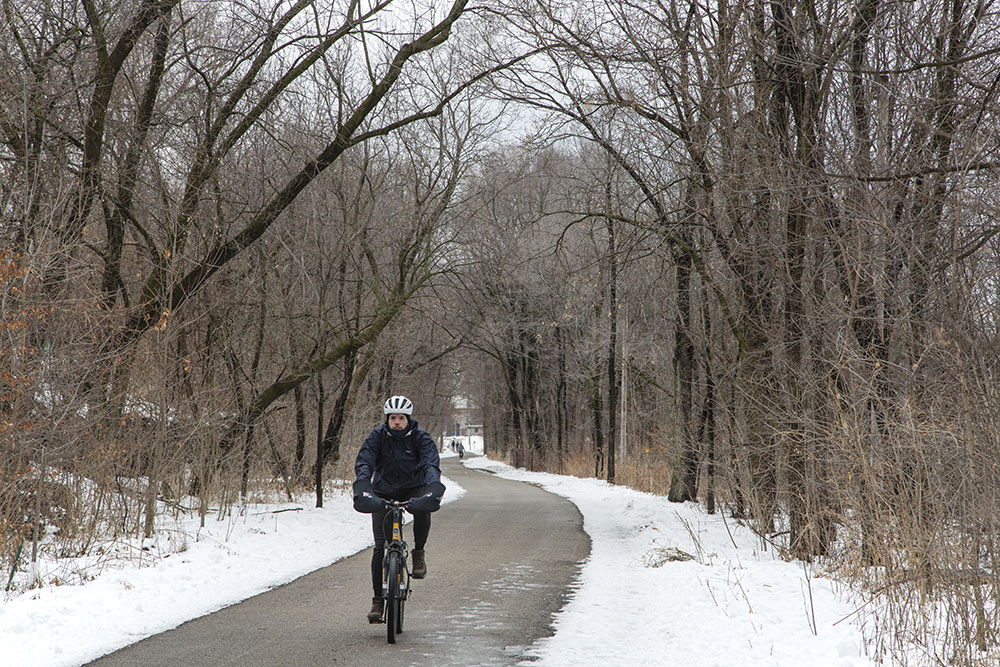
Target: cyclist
pixel 398 461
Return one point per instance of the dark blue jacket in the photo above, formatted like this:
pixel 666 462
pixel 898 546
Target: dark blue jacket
pixel 394 464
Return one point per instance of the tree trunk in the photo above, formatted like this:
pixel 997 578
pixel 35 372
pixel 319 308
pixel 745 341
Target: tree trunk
pixel 597 409
pixel 300 431
pixel 706 422
pixel 612 344
pixel 317 468
pixel 330 448
pixel 561 399
pixel 684 478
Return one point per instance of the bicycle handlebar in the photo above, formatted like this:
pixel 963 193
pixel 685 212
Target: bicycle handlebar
pixel 366 501
pixel 395 504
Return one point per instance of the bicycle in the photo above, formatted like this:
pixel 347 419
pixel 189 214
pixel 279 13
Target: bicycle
pixel 395 571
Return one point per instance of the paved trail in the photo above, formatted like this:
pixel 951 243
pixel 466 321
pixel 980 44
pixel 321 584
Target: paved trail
pixel 500 563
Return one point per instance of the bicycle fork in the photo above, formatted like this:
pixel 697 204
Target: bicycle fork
pixel 403 571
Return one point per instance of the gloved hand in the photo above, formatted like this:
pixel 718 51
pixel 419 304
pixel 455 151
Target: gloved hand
pixel 365 500
pixel 429 500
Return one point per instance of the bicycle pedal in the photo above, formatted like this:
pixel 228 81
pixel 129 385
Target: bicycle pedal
pixel 380 621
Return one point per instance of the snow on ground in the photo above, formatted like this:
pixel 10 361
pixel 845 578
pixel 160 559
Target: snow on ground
pixel 221 564
pixel 730 605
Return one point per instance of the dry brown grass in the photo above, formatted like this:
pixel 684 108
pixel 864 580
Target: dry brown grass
pixel 644 473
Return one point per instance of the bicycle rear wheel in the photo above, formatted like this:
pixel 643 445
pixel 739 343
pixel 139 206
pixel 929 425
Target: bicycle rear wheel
pixel 392 619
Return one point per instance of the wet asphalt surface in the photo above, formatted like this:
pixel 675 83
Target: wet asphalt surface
pixel 501 562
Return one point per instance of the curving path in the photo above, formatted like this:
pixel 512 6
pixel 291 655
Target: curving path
pixel 501 562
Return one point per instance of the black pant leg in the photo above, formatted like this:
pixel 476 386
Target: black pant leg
pixel 421 529
pixel 378 531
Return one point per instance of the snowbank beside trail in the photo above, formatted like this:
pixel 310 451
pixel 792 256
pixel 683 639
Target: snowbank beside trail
pixel 665 583
pixel 182 572
pixel 668 583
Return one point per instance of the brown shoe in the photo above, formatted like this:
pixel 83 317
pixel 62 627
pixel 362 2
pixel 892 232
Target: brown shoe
pixel 419 564
pixel 375 615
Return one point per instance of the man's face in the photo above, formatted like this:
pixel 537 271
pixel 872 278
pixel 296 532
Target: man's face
pixel 397 422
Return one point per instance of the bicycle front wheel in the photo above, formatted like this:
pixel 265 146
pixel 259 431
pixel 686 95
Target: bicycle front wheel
pixel 392 597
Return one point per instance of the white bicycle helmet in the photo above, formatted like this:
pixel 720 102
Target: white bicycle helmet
pixel 398 405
